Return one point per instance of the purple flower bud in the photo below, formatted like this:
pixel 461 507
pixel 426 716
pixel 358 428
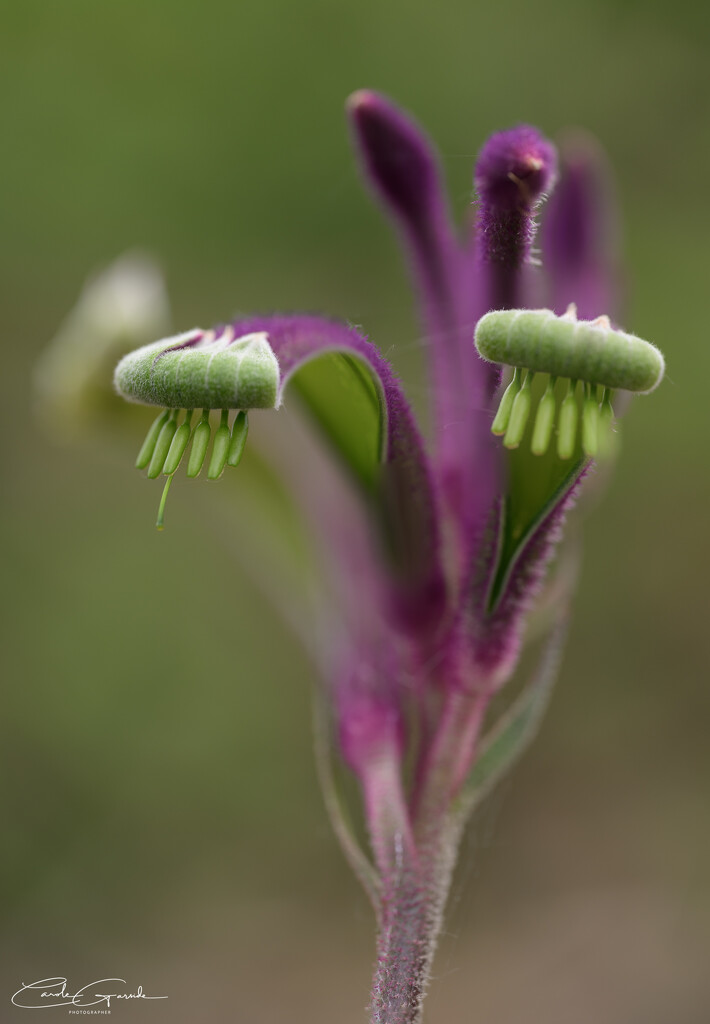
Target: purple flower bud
pixel 398 159
pixel 515 169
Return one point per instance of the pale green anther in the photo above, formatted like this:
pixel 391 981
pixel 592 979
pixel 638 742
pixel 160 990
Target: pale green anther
pixel 200 442
pixel 590 421
pixel 240 430
pixel 162 446
pixel 567 427
pixel 148 446
pixel 500 423
pixel 178 446
pixel 519 414
pixel 220 448
pixel 544 420
pixel 606 436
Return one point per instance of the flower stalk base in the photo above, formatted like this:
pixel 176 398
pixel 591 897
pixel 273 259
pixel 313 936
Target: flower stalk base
pixel 411 921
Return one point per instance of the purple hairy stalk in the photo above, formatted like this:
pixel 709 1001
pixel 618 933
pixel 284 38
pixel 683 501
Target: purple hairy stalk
pixel 433 566
pixel 401 166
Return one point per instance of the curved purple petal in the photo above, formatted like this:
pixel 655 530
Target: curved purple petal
pixel 393 473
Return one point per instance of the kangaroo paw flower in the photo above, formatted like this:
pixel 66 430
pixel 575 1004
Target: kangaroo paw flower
pixel 429 562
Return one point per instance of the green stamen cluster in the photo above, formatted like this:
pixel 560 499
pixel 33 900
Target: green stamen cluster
pixel 571 351
pixel 166 443
pixel 596 417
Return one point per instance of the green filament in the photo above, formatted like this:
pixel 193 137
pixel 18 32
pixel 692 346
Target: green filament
pixel 544 420
pixel 220 448
pixel 567 428
pixel 519 414
pixel 162 446
pixel 160 521
pixel 200 442
pixel 148 446
pixel 240 430
pixel 500 423
pixel 179 444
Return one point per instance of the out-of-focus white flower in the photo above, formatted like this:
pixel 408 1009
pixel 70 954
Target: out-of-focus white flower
pixel 121 307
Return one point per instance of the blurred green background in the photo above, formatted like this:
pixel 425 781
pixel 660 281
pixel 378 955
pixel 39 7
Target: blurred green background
pixel 161 811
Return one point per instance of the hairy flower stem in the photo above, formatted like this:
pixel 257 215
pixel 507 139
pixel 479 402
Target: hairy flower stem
pixel 414 892
pixel 386 813
pixel 412 916
pixel 448 758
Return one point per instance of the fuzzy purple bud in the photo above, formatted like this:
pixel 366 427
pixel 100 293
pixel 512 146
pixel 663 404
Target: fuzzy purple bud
pixel 515 169
pixel 398 160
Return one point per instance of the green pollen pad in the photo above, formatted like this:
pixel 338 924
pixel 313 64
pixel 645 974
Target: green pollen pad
pixel 202 370
pixel 563 346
